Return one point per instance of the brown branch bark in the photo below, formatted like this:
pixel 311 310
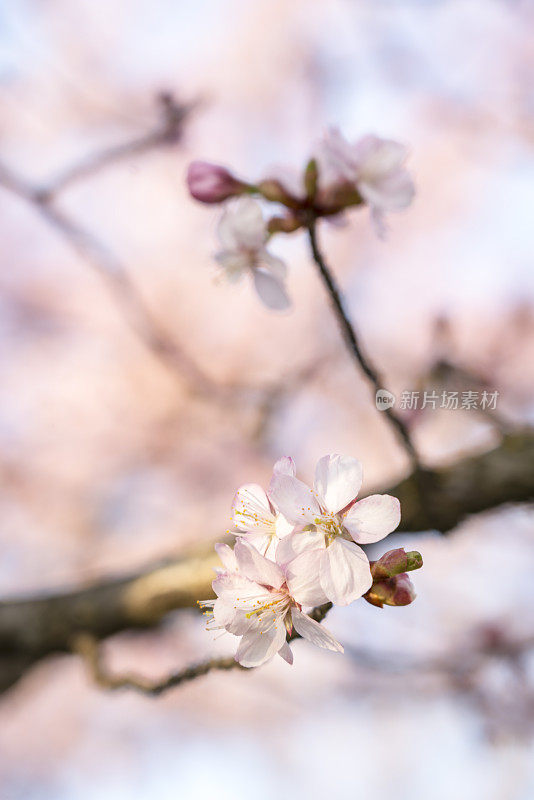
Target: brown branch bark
pixel 354 347
pixel 89 649
pixel 91 652
pixel 35 627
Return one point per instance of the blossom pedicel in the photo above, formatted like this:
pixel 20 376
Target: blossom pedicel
pixel 296 549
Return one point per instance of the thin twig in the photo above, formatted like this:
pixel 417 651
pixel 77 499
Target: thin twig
pixel 116 276
pixel 354 347
pixel 87 646
pixel 168 131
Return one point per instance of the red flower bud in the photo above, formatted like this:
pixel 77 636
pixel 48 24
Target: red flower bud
pixel 391 585
pixel 396 591
pixel 211 183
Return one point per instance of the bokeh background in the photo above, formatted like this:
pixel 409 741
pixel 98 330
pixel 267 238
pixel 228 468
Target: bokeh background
pixel 108 461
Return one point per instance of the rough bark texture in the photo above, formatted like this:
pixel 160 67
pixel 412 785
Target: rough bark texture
pixel 35 627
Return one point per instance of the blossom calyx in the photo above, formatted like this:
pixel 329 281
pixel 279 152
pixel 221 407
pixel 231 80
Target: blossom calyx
pixel 275 191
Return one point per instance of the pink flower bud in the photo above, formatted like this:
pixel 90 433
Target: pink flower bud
pixel 211 183
pixel 391 585
pixel 394 562
pixel 397 591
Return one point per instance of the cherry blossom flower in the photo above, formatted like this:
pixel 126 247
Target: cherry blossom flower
pixel 332 523
pixel 374 166
pixel 261 601
pixel 211 183
pixel 255 516
pixel 243 234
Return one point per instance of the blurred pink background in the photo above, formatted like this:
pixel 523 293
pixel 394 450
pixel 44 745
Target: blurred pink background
pixel 108 462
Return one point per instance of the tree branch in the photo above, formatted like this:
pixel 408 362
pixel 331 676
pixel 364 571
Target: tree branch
pixel 354 346
pixel 98 256
pixel 89 649
pixel 35 627
pixel 168 131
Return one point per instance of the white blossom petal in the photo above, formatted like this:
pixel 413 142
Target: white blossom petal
pixel 345 572
pixel 226 554
pixel 285 466
pixel 335 158
pixel 389 193
pixel 251 510
pixel 273 264
pixel 271 289
pixel 234 263
pixel 256 567
pixel 283 526
pixel 296 543
pixel 242 622
pixel 378 222
pixel 378 157
pixel 303 578
pixel 286 653
pixel 311 630
pixel 224 612
pixel 239 590
pixel 294 499
pixel 372 518
pixel 242 225
pixel 337 481
pixel 261 644
pixel 264 543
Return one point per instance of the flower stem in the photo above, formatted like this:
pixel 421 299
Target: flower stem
pixel 354 347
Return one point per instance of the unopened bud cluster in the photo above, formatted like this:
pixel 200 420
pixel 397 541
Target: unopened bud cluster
pixel 337 177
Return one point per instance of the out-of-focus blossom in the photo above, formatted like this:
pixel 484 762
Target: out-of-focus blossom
pixel 331 522
pixel 256 517
pixel 243 234
pixel 374 167
pixel 257 600
pixel 211 183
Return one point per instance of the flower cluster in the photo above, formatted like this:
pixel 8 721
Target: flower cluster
pixel 340 175
pixel 299 547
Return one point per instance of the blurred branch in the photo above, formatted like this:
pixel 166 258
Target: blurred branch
pixel 507 707
pixel 101 259
pixel 33 628
pixel 487 641
pixel 89 649
pixel 469 486
pixel 168 131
